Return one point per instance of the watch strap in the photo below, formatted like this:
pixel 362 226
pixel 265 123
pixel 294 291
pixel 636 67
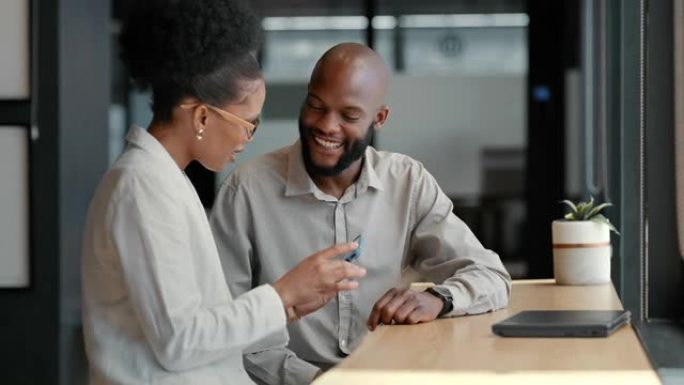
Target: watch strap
pixel 445 295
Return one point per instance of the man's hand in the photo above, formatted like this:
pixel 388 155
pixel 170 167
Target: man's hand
pixel 404 306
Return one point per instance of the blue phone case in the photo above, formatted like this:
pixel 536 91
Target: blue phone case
pixel 355 254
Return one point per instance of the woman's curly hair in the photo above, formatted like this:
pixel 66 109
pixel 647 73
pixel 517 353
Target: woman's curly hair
pixel 180 48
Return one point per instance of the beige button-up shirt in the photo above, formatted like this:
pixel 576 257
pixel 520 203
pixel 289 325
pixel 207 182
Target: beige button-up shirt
pixel 269 215
pixel 157 309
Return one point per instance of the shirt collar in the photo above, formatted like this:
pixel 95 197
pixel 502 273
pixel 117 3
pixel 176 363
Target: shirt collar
pixel 299 182
pixel 369 169
pixel 139 137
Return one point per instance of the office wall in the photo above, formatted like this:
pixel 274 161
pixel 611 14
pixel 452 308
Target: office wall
pixel 84 93
pixel 40 339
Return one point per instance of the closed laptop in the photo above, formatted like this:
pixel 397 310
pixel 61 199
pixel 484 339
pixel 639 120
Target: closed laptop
pixel 562 323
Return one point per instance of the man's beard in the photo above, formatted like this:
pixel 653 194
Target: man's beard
pixel 352 153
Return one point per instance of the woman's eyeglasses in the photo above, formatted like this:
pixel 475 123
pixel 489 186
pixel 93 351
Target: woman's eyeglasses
pixel 250 127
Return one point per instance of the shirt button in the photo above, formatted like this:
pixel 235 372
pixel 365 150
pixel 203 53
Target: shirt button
pixel 343 342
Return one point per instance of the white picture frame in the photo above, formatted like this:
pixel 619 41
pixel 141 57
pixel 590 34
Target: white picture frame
pixel 14 208
pixel 678 15
pixel 15 49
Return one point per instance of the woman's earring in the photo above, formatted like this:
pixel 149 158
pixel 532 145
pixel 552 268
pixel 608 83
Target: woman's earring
pixel 200 134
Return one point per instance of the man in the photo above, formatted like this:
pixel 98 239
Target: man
pixel 329 187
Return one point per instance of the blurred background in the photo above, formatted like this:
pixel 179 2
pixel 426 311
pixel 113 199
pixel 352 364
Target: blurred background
pixel 513 105
pixel 458 98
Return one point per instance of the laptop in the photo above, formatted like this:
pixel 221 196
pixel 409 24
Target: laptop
pixel 562 323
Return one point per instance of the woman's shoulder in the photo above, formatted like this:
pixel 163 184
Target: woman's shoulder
pixel 134 176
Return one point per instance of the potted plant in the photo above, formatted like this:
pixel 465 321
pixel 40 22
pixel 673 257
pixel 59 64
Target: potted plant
pixel 581 245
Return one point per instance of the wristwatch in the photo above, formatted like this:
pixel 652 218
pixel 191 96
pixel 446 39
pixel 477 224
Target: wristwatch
pixel 444 294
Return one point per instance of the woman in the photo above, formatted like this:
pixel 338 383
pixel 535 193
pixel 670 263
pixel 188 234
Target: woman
pixel 157 309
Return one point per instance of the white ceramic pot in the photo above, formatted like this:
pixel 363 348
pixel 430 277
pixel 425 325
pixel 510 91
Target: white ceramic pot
pixel 581 252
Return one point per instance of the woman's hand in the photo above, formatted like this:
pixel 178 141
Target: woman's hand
pixel 316 280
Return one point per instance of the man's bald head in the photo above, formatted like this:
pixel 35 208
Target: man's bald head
pixel 344 107
pixel 357 66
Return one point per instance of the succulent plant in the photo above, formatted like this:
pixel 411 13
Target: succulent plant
pixel 586 211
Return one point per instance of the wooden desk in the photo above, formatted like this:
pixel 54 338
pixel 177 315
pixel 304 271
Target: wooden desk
pixel 464 350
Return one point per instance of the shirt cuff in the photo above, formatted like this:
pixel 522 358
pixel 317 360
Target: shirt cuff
pixel 459 300
pixel 298 371
pixel 278 339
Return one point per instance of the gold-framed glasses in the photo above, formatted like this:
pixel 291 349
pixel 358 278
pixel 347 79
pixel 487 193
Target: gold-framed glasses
pixel 250 127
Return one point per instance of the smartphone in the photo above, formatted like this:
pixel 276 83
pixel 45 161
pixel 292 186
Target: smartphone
pixel 356 253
